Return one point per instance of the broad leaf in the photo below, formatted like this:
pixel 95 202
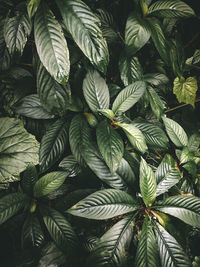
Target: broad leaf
pixel 186 208
pixel 110 145
pixel 96 91
pixel 155 102
pixel 11 204
pixel 155 79
pixel 171 253
pixel 83 25
pixel 137 33
pixel 53 144
pixel 147 183
pixel 104 204
pixel 18 149
pixel 108 113
pixel 71 165
pixel 32 7
pixel 110 250
pixel 48 183
pixel 128 97
pixel 170 9
pixel 175 132
pixel 51 44
pixel 185 89
pixel 29 178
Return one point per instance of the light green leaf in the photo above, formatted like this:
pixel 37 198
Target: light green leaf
pixel 51 44
pixel 108 113
pixel 155 102
pixel 83 25
pixel 128 97
pixel 32 7
pixel 18 149
pixel 147 183
pixel 48 183
pixel 186 155
pixel 175 132
pixel 185 90
pixel 104 204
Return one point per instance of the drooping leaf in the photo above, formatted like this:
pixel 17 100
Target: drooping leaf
pixel 147 183
pixel 167 174
pixel 83 25
pixel 11 204
pixel 104 204
pixel 108 113
pixel 170 9
pixel 18 149
pixel 96 91
pixel 48 183
pixel 155 102
pixel 29 178
pixel 175 132
pixel 128 97
pixel 53 144
pixel 51 44
pixel 185 90
pixel 32 7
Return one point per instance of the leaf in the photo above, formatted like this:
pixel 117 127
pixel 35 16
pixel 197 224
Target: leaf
pixel 171 9
pixel 51 44
pixel 186 155
pixel 83 25
pixel 71 165
pixel 29 178
pixel 185 90
pixel 128 97
pixel 137 33
pixel 18 149
pixel 135 136
pixel 32 235
pixel 4 54
pixel 186 208
pixel 110 145
pixel 147 183
pixel 167 174
pixel 30 106
pixel 108 113
pixel 155 79
pixel 171 253
pixel 104 204
pixel 111 249
pixel 16 31
pixel 53 144
pixel 194 142
pixel 11 204
pixel 96 91
pixel 155 102
pixel 175 132
pixel 147 250
pixel 32 7
pixel 48 183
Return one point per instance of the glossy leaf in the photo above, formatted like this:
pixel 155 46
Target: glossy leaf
pixel 51 44
pixel 108 113
pixel 104 204
pixel 155 79
pixel 156 103
pixel 71 165
pixel 32 7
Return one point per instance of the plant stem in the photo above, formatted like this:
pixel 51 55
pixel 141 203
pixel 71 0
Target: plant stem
pixel 180 106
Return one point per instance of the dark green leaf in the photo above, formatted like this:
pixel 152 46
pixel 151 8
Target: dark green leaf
pixel 71 165
pixel 194 142
pixel 29 178
pixel 156 103
pixel 156 79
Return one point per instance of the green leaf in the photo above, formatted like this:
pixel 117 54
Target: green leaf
pixel 53 144
pixel 48 183
pixel 96 91
pixel 185 90
pixel 175 132
pixel 18 149
pixel 194 142
pixel 147 250
pixel 108 113
pixel 171 253
pixel 29 178
pixel 186 208
pixel 104 204
pixel 4 54
pixel 167 174
pixel 51 44
pixel 147 183
pixel 137 33
pixel 32 235
pixel 128 97
pixel 135 136
pixel 31 107
pixel 155 79
pixel 71 165
pixel 171 9
pixel 11 204
pixel 186 155
pixel 155 102
pixel 32 7
pixel 111 249
pixel 110 145
pixel 83 25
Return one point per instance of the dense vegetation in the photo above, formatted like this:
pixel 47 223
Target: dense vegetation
pixel 99 133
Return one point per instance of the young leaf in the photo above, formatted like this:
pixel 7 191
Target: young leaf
pixel 48 183
pixel 29 178
pixel 96 91
pixel 104 204
pixel 32 7
pixel 83 25
pixel 128 97
pixel 51 44
pixel 175 132
pixel 110 145
pixel 147 183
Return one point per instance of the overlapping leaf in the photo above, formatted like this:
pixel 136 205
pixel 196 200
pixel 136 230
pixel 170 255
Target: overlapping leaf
pixel 155 102
pixel 29 178
pixel 32 7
